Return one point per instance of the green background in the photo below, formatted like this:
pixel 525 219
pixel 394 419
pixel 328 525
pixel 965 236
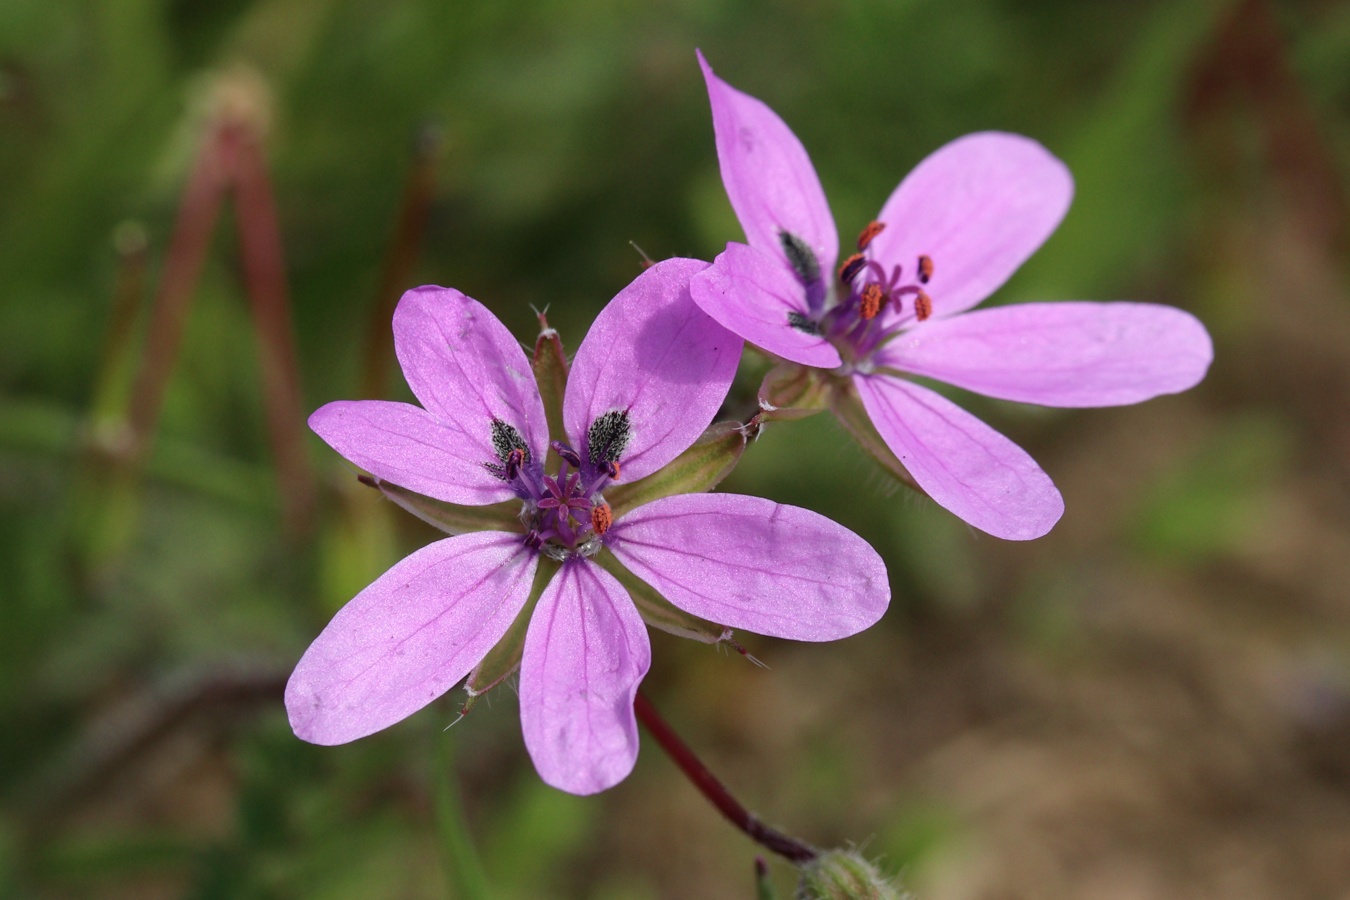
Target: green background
pixel 1152 701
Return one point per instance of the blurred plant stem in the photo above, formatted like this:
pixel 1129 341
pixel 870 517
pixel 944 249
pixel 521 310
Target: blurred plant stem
pixel 396 274
pixel 717 794
pixel 229 158
pixel 463 869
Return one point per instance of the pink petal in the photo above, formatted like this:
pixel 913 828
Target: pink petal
pixel 769 178
pixel 405 445
pixel 653 354
pixel 586 651
pixel 753 294
pixel 466 368
pixel 979 207
pixel 960 462
pixel 409 637
pixel 1060 354
pixel 747 562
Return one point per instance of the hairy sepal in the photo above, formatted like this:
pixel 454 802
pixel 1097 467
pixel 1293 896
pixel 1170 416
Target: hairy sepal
pixel 550 372
pixel 790 391
pixel 657 611
pixel 700 468
pixel 451 518
pixel 847 406
pixel 504 658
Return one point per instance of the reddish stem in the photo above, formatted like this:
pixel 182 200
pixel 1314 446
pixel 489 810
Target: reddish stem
pixel 265 278
pixel 717 794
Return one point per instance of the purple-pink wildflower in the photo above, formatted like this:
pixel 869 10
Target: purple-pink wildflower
pixel 645 383
pixel 953 231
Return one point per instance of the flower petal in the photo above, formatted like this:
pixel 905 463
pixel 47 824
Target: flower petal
pixel 769 178
pixel 753 295
pixel 959 461
pixel 750 563
pixel 409 637
pixel 654 355
pixel 979 207
pixel 466 368
pixel 405 445
pixel 1060 354
pixel 585 654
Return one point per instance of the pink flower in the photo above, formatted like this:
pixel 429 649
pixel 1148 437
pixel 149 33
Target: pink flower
pixel 646 382
pixel 953 231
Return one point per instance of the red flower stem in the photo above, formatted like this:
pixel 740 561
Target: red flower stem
pixel 197 215
pixel 414 212
pixel 717 794
pixel 265 279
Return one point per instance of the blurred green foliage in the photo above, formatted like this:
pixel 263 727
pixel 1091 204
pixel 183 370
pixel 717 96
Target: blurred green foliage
pixel 568 131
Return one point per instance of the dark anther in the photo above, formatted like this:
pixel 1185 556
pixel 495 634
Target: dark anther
pixel 872 230
pixel 802 323
pixel 608 437
pixel 869 304
pixel 611 469
pixel 533 539
pixel 567 454
pixel 923 306
pixel 800 257
pixel 514 460
pixel 925 268
pixel 851 267
pixel 601 517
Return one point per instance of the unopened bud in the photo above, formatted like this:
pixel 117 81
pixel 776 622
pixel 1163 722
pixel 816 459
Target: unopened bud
pixel 845 875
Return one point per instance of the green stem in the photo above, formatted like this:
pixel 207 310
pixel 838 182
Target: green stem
pixel 463 870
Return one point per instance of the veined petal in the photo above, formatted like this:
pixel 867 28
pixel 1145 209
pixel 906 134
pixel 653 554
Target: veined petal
pixel 1060 354
pixel 750 563
pixel 586 651
pixel 963 464
pixel 406 445
pixel 769 178
pixel 978 207
pixel 654 355
pixel 754 295
pixel 467 369
pixel 409 637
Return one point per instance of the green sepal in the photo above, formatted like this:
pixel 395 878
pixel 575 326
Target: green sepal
pixel 550 373
pixel 504 657
pixel 657 611
pixel 450 517
pixel 792 391
pixel 849 410
pixel 698 469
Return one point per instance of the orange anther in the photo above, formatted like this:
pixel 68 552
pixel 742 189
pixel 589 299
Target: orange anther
pixel 851 267
pixel 923 306
pixel 925 268
pixel 601 517
pixel 870 301
pixel 872 230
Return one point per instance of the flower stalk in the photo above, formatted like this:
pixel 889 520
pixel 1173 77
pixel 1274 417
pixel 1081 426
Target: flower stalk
pixel 717 794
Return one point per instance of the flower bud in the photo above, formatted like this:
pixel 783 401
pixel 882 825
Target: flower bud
pixel 845 875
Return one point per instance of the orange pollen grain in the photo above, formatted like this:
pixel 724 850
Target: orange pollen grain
pixel 851 267
pixel 601 517
pixel 923 306
pixel 872 230
pixel 870 301
pixel 925 269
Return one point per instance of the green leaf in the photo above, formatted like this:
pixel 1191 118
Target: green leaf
pixel 504 658
pixel 450 517
pixel 658 612
pixel 698 469
pixel 550 372
pixel 848 409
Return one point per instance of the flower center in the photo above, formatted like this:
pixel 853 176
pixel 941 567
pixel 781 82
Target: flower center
pixel 867 290
pixel 564 514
